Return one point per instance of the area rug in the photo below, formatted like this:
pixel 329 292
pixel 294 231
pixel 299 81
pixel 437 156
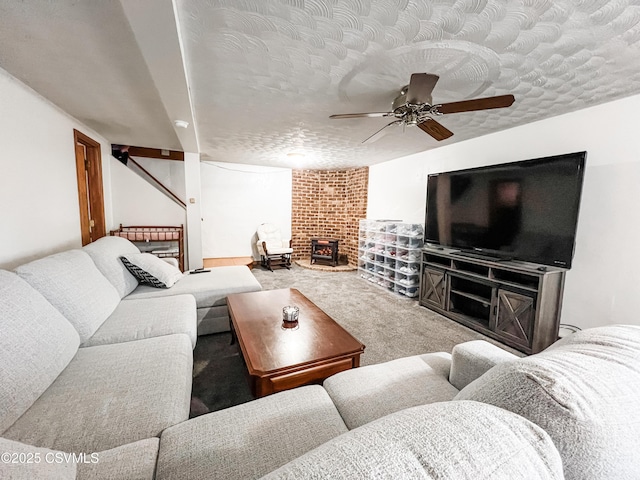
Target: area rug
pixel 220 377
pixel 306 263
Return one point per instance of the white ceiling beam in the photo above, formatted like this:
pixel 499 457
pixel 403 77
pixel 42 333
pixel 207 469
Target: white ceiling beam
pixel 155 26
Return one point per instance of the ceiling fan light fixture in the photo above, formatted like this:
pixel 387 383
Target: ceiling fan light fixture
pixel 414 106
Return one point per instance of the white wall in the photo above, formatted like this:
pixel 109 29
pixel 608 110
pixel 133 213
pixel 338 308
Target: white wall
pixel 238 198
pixel 169 172
pixel 137 202
pixel 602 286
pixel 38 186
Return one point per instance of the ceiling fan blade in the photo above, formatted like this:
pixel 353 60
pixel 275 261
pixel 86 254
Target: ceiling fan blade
pixel 435 129
pixel 360 115
pixel 500 101
pixel 381 133
pixel 420 88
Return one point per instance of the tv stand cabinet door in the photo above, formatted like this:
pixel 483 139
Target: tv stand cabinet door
pixel 433 293
pixel 515 317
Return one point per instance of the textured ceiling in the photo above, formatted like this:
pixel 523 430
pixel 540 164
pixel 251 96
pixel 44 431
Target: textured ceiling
pixel 264 75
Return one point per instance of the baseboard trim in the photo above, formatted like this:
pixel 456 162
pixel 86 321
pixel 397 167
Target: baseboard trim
pixel 228 261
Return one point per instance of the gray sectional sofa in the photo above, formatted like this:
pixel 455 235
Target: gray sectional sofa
pixel 96 378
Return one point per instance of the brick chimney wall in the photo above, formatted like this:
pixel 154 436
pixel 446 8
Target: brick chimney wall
pixel 328 203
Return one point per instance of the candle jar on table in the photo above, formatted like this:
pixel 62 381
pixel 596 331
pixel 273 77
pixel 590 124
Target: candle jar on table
pixel 290 314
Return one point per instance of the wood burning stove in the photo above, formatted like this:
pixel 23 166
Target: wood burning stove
pixel 324 249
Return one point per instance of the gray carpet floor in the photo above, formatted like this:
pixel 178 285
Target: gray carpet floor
pixel 391 326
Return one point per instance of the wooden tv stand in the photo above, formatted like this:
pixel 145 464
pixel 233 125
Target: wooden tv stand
pixel 516 303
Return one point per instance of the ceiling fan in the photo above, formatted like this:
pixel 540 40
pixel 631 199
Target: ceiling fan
pixel 414 106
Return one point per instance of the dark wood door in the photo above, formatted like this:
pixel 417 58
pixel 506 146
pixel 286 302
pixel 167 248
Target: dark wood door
pixel 433 288
pixel 515 316
pixel 90 191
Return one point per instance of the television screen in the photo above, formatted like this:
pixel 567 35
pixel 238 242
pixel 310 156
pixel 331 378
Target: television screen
pixel 524 210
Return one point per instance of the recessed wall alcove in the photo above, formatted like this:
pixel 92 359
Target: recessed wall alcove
pixel 328 204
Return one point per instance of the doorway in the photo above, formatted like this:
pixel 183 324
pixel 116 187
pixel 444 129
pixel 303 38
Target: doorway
pixel 90 194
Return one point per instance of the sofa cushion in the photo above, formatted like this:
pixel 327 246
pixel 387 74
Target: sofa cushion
pixel 209 288
pixel 36 344
pixel 150 270
pixel 105 253
pixel 449 440
pixel 26 462
pixel 584 392
pixel 249 440
pixel 147 318
pixel 110 395
pixel 368 393
pixel 133 461
pixel 72 283
pixel 213 320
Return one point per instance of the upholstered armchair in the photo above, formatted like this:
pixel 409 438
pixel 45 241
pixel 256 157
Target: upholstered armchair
pixel 274 251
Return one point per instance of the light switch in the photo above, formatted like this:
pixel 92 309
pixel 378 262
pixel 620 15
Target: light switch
pixel 192 200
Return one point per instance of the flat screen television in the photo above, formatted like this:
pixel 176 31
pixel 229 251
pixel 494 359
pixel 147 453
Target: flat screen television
pixel 525 210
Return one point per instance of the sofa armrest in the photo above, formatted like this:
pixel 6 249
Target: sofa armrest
pixel 470 360
pixel 171 261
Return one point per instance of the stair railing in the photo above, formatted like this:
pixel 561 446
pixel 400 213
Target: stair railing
pixel 159 184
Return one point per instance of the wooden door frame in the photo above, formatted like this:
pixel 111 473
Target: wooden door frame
pixel 94 194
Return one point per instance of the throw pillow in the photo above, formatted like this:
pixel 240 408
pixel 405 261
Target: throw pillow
pixel 151 270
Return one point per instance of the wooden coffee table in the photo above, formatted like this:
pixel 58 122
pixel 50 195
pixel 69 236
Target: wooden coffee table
pixel 281 358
